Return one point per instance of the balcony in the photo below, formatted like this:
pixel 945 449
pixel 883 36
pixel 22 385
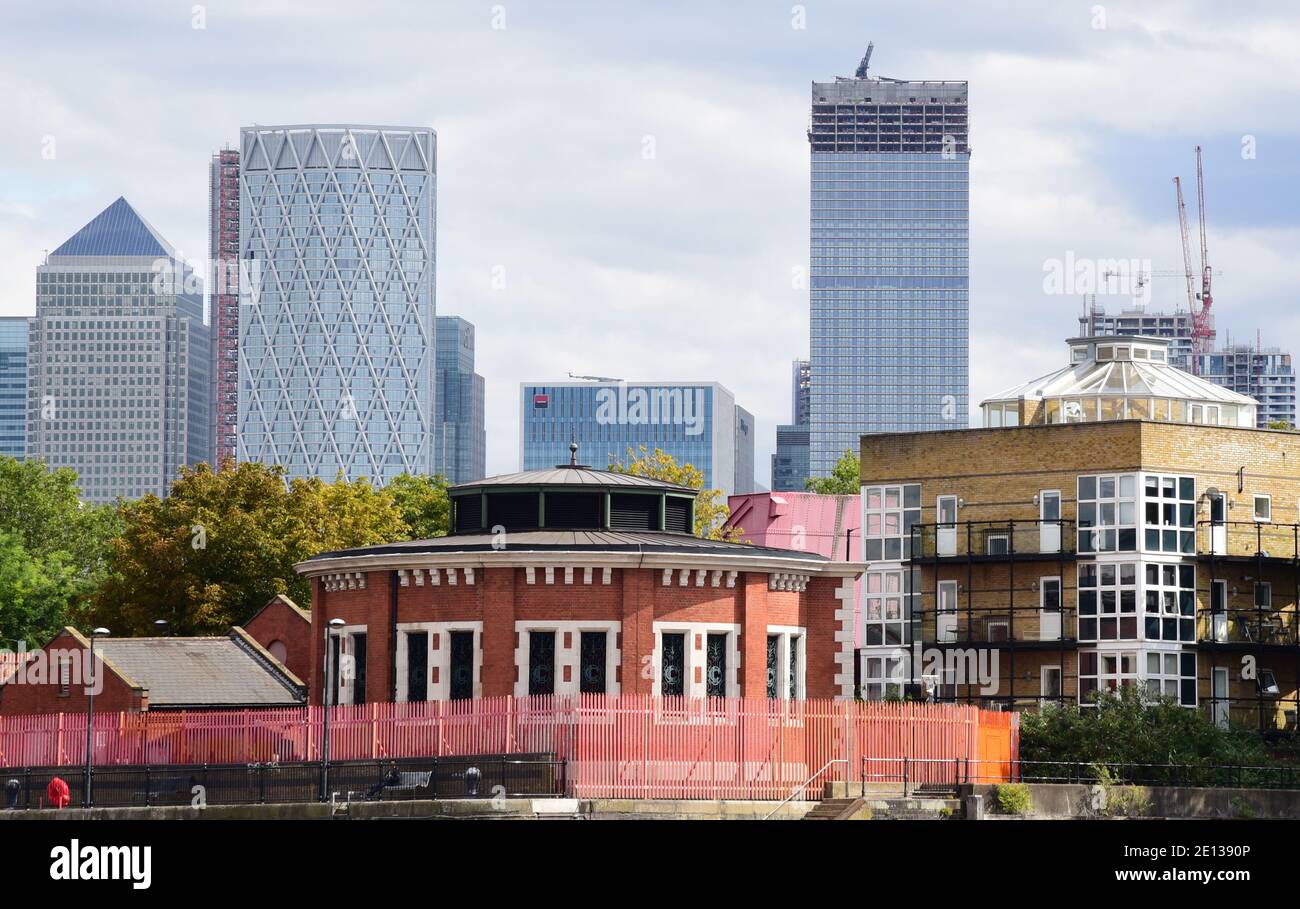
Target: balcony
pixel 993 541
pixel 1247 540
pixel 1024 626
pixel 1247 628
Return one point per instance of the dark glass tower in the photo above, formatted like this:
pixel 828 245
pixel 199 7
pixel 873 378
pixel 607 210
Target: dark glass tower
pixel 888 277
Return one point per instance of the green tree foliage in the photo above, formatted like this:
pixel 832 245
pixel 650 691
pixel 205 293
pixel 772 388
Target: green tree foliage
pixel 1129 728
pixel 423 502
pixel 845 478
pixel 711 511
pixel 221 544
pixel 53 549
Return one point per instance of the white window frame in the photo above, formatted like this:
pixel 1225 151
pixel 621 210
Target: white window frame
pixel 439 657
pixel 1043 672
pixel 791 639
pixel 1254 511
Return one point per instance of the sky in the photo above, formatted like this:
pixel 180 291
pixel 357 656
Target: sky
pixel 680 263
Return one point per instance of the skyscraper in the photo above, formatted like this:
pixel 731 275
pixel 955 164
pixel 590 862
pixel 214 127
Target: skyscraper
pixel 118 360
pixel 460 447
pixel 223 301
pixel 13 386
pixel 888 270
pixel 336 337
pixel 698 423
pixel 790 462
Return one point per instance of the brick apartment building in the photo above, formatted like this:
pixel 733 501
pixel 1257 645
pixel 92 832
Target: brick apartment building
pixel 1111 525
pixel 577 580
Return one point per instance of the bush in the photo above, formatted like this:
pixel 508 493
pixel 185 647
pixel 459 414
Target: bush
pixel 1012 798
pixel 1128 729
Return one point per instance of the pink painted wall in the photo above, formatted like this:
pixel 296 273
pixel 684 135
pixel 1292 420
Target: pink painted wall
pixel 828 525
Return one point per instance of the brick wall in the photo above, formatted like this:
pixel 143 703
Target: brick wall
pixel 43 694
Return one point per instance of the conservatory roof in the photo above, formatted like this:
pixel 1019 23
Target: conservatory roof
pixel 1121 365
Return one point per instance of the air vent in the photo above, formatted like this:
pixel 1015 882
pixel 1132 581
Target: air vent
pixel 677 514
pixel 469 513
pixel 633 512
pixel 512 510
pixel 574 510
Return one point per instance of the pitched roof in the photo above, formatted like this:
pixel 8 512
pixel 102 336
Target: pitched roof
pixel 116 231
pixel 201 672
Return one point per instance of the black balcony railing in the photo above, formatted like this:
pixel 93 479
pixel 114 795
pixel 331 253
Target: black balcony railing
pixel 1248 539
pixel 997 624
pixel 993 539
pixel 1249 626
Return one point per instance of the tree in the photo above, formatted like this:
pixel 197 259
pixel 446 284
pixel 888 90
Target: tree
pixel 53 549
pixel 1281 424
pixel 423 502
pixel 710 513
pixel 221 544
pixel 845 479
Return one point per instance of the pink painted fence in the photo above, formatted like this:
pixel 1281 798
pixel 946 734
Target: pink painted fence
pixel 629 746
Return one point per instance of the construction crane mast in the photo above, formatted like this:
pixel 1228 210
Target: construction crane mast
pixel 1202 327
pixel 1187 265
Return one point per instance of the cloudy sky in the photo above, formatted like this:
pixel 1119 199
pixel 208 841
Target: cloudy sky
pixel 679 265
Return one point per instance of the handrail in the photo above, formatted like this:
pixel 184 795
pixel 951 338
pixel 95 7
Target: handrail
pixel 804 785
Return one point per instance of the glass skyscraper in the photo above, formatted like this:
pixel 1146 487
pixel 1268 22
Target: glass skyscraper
pixel 118 360
pixel 460 449
pixel 888 271
pixel 336 324
pixel 698 423
pixel 13 386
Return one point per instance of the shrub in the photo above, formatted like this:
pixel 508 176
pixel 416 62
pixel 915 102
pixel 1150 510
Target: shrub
pixel 1012 798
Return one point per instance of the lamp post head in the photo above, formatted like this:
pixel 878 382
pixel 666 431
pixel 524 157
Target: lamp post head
pixel 335 624
pixel 100 633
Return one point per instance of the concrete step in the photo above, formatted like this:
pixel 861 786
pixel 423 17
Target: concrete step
pixel 831 809
pixel 915 809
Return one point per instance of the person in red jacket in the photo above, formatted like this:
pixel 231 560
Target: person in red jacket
pixel 58 793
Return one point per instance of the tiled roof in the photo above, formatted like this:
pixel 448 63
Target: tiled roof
pixel 199 672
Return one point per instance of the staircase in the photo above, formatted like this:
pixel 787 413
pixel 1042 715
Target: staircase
pixel 920 807
pixel 834 810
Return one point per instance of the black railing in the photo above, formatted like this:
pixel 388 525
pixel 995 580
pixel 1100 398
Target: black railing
pixel 992 539
pixel 1249 625
pixel 499 776
pixel 915 775
pixel 1248 539
pixel 996 624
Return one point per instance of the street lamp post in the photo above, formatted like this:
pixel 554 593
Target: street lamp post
pixel 330 628
pixel 86 799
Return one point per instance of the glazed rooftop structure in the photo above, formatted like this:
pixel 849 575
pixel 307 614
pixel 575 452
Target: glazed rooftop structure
pixel 1119 378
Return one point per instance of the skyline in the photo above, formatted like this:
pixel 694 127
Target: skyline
pixel 548 186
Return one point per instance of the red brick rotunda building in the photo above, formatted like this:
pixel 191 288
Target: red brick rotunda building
pixel 576 580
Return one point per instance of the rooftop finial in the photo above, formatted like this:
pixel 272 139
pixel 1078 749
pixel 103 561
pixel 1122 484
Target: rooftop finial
pixel 573 451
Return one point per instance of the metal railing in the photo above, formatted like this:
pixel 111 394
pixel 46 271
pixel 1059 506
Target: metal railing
pixel 1249 625
pixel 1253 539
pixel 993 539
pixel 272 783
pixel 803 787
pixel 996 624
pixel 914 774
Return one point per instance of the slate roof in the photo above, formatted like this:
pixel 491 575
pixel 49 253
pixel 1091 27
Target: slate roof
pixel 575 541
pixel 200 672
pixel 116 231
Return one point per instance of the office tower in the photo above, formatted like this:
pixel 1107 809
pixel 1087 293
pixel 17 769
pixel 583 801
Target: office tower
pixel 13 386
pixel 695 422
pixel 744 452
pixel 336 333
pixel 118 358
pixel 223 301
pixel 460 449
pixel 888 270
pixel 790 462
pixel 800 392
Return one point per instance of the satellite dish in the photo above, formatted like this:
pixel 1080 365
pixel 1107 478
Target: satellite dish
pixel 1212 492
